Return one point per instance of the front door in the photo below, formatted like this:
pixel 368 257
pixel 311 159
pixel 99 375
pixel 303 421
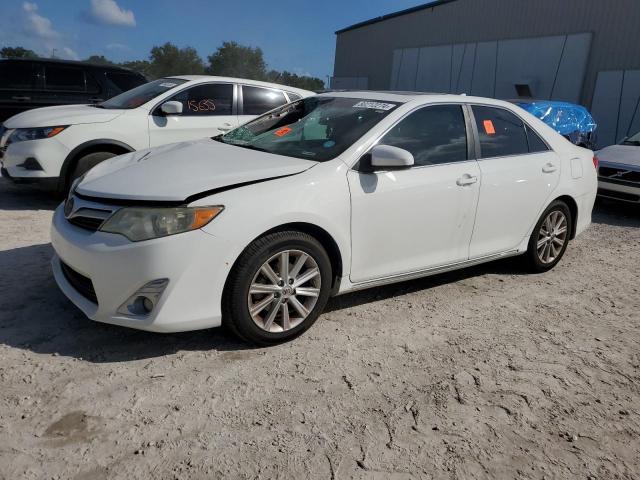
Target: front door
pixel 519 173
pixel 207 111
pixel 417 218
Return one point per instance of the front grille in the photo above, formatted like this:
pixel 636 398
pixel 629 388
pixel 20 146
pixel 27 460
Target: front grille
pixel 82 284
pixel 88 223
pixel 619 175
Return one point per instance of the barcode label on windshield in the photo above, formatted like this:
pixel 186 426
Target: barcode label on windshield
pixel 374 105
pixel 168 84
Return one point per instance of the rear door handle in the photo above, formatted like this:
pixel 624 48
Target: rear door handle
pixel 549 168
pixel 21 98
pixel 95 99
pixel 225 128
pixel 466 179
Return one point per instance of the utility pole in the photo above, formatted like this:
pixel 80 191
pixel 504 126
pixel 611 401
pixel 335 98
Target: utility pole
pixel 53 53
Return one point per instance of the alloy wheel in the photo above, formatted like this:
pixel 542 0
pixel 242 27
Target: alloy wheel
pixel 284 291
pixel 552 237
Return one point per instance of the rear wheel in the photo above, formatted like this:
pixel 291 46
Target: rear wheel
pixel 550 237
pixel 277 288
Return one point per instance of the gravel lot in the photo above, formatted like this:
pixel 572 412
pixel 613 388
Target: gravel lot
pixel 482 373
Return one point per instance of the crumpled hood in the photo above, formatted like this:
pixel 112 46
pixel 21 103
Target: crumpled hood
pixel 61 115
pixel 178 171
pixel 620 155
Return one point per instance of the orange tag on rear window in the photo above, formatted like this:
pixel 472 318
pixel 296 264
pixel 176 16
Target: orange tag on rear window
pixel 283 131
pixel 489 128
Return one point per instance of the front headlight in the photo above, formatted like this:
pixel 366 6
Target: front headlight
pixel 24 134
pixel 143 223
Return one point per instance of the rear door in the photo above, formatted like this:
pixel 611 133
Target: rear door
pixel 207 110
pixel 519 173
pixel 255 101
pixel 64 84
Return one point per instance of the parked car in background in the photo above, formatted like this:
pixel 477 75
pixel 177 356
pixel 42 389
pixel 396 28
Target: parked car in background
pixel 56 145
pixel 33 83
pixel 572 121
pixel 619 172
pixel 334 193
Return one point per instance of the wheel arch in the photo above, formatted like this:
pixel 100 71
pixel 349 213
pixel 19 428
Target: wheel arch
pixel 320 234
pixel 573 208
pixel 86 148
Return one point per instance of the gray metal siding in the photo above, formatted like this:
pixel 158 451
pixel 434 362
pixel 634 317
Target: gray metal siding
pixel 369 51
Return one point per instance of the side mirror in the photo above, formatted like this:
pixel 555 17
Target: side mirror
pixel 391 157
pixel 171 108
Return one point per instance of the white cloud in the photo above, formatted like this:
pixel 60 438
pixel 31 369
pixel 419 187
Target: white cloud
pixel 69 54
pixel 108 12
pixel 36 24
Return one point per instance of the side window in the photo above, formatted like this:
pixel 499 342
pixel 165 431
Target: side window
pixel 64 79
pixel 256 100
pixel 434 135
pixel 536 144
pixel 501 132
pixel 16 75
pixel 206 100
pixel 293 96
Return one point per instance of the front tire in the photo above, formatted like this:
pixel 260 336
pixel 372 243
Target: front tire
pixel 277 288
pixel 550 238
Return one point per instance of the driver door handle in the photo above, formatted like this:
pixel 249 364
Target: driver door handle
pixel 225 127
pixel 466 179
pixel 549 168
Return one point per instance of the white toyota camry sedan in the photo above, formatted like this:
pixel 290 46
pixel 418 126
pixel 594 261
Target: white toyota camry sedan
pixel 257 228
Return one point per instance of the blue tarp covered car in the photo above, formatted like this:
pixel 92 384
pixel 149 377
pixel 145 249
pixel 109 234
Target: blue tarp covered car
pixel 568 119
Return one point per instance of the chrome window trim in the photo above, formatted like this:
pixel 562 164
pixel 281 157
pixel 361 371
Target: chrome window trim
pixel 234 111
pixel 470 154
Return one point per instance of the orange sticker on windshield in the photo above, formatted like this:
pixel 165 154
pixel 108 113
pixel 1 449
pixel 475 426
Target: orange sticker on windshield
pixel 283 131
pixel 489 128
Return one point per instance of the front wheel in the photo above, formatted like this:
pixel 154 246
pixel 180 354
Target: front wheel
pixel 277 288
pixel 550 238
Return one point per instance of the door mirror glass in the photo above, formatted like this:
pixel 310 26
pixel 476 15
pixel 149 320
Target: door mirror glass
pixel 171 108
pixel 386 156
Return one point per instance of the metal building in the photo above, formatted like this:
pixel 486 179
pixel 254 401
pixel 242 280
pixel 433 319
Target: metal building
pixel 581 51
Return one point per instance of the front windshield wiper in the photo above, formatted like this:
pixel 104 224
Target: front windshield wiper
pixel 250 147
pixel 97 105
pixel 635 143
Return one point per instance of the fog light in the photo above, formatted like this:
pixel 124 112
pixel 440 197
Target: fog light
pixel 143 301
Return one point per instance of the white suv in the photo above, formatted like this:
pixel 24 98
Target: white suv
pixel 56 145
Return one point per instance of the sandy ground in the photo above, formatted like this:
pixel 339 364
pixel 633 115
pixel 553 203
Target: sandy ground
pixel 482 373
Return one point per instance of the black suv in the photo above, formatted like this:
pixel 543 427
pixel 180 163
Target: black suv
pixel 34 83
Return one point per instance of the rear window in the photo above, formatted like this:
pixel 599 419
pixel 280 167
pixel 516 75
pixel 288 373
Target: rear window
pixel 125 81
pixel 16 75
pixel 61 78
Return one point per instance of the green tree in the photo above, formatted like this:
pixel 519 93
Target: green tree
pixel 293 80
pixel 169 60
pixel 235 60
pixel 17 52
pixel 99 60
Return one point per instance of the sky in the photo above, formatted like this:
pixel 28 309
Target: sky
pixel 292 35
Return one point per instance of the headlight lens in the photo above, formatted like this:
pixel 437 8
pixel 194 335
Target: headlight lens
pixel 140 223
pixel 24 134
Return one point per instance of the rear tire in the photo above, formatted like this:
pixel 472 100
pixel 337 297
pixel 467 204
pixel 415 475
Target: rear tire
pixel 277 288
pixel 550 238
pixel 86 163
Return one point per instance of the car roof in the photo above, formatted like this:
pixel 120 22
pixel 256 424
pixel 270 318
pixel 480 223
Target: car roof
pixel 70 62
pixel 417 97
pixel 245 81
